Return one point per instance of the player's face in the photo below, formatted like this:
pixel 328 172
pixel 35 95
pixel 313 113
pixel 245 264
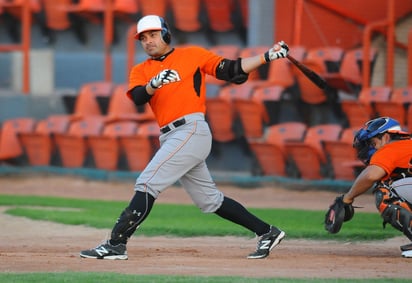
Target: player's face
pixel 153 43
pixel 377 143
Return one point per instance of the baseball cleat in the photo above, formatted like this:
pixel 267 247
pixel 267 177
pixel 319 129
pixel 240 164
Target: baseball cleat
pixel 407 253
pixel 106 251
pixel 407 247
pixel 267 242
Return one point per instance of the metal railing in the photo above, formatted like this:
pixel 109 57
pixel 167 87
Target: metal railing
pixel 24 46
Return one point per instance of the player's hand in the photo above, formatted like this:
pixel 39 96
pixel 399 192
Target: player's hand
pixel 279 50
pixel 164 77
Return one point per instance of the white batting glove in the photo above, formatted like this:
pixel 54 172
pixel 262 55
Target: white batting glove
pixel 164 77
pixel 279 50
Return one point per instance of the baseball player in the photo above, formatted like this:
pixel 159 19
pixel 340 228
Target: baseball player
pixel 387 151
pixel 172 81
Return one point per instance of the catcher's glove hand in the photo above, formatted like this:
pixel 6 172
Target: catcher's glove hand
pixel 337 213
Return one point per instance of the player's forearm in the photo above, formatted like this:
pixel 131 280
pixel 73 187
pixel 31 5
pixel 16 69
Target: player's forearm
pixel 277 51
pixel 366 179
pixel 250 64
pixel 363 182
pixel 357 189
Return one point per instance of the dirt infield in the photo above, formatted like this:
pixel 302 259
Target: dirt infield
pixel 33 246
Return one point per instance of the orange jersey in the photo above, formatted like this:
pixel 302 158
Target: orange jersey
pixel 184 97
pixel 393 157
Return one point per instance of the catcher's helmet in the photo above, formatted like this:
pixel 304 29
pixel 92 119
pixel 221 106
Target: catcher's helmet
pixel 153 22
pixel 363 148
pixel 373 128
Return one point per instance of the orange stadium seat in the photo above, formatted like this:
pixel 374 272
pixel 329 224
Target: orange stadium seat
pixel 122 108
pixel 14 6
pixel 72 145
pixel 86 102
pixel 186 15
pixel 280 73
pixel 342 155
pixel 316 103
pixel 126 6
pixel 360 110
pixel 328 56
pixel 221 116
pixel 269 97
pixel 252 117
pixel 309 92
pixel 39 145
pixel 82 12
pixel 87 8
pixel 150 7
pixel 12 16
pixel 57 18
pixel 308 155
pixel 238 91
pixel 219 13
pixel 225 125
pixel 151 130
pixel 64 14
pixel 270 152
pixel 106 148
pixel 140 147
pixel 10 146
pixel 256 109
pixel 397 105
pixel 298 52
pixel 349 78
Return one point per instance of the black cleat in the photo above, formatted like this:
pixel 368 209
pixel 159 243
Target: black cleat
pixel 106 251
pixel 267 242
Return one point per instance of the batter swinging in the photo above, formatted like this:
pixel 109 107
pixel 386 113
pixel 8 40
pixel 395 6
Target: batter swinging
pixel 172 81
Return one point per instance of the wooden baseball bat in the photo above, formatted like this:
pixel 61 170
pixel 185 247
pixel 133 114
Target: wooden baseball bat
pixel 310 74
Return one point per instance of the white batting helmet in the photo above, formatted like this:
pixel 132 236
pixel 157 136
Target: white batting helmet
pixel 153 22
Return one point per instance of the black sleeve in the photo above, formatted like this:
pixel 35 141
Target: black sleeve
pixel 231 71
pixel 139 95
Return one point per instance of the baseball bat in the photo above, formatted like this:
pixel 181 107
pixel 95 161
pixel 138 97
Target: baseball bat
pixel 310 74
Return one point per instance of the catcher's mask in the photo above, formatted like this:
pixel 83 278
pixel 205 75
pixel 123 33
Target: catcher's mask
pixel 153 22
pixel 374 128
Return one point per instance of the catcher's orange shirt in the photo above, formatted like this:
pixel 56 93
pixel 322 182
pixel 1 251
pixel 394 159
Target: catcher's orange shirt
pixel 393 157
pixel 184 97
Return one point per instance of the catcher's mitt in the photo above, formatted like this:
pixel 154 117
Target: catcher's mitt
pixel 337 213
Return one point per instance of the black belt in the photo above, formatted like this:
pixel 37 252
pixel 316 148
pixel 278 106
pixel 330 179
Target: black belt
pixel 176 124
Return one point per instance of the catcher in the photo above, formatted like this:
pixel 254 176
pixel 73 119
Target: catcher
pixel 386 151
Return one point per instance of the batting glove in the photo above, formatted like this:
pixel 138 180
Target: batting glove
pixel 164 77
pixel 279 50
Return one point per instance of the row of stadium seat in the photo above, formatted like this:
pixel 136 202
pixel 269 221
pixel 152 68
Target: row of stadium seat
pixel 257 106
pixel 185 14
pixel 71 142
pixel 293 149
pixel 70 138
pixel 286 149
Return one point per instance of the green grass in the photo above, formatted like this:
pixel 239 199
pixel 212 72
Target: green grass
pixel 188 221
pixel 75 277
pixel 183 221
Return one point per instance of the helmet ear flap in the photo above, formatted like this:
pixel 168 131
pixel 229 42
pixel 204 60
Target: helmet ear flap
pixel 361 144
pixel 166 35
